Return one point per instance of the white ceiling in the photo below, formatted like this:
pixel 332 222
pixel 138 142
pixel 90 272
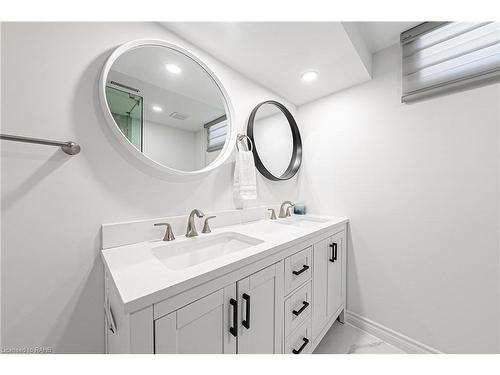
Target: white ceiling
pixel 198 113
pixel 276 54
pixel 380 35
pixel 148 64
pixel 192 92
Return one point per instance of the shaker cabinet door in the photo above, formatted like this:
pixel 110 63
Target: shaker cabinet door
pixel 258 312
pixel 202 327
pixel 328 258
pixel 335 260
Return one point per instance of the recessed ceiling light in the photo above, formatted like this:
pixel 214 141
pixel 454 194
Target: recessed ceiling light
pixel 309 76
pixel 157 108
pixel 174 69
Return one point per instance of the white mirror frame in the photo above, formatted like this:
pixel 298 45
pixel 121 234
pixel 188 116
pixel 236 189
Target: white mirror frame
pixel 150 164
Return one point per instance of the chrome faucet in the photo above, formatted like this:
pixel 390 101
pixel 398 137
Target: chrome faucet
pixel 284 212
pixel 191 228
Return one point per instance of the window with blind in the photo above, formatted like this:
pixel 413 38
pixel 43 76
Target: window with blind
pixel 216 133
pixel 440 57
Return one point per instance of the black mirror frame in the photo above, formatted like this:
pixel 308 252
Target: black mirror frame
pixel 296 159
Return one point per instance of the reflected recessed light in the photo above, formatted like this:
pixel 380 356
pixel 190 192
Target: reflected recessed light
pixel 157 108
pixel 174 69
pixel 309 76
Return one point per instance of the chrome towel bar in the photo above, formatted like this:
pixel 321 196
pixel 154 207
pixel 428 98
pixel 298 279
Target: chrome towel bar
pixel 70 148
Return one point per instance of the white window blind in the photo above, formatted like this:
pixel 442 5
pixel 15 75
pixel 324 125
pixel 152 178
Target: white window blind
pixel 443 56
pixel 216 133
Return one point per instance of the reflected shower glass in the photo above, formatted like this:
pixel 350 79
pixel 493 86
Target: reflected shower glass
pixel 126 109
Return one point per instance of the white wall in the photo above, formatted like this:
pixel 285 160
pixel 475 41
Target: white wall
pixel 170 146
pixel 202 157
pixel 53 205
pixel 420 184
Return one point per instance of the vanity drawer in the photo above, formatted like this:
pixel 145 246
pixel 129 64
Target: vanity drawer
pixel 298 269
pixel 298 308
pixel 300 341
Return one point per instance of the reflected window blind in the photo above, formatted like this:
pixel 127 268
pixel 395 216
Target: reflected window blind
pixel 445 56
pixel 216 133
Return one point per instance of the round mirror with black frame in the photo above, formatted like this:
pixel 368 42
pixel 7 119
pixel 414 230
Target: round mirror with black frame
pixel 276 139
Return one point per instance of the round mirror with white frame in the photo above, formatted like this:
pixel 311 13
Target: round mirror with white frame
pixel 167 108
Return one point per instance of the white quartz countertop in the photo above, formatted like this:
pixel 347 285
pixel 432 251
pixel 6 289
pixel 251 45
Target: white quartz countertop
pixel 142 279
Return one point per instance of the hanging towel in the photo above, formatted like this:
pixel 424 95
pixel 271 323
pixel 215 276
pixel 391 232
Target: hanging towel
pixel 245 185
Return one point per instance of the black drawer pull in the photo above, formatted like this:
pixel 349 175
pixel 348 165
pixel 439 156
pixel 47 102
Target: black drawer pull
pixel 233 329
pixel 334 252
pixel 299 311
pixel 304 269
pixel 306 341
pixel 246 322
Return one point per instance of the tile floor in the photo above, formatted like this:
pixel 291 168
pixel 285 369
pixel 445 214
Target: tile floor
pixel 347 339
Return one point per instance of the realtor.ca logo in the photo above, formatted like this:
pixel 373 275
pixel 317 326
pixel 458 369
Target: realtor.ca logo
pixel 26 350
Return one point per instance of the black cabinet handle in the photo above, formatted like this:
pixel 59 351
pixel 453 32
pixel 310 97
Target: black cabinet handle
pixel 233 329
pixel 304 269
pixel 246 321
pixel 334 252
pixel 299 311
pixel 306 341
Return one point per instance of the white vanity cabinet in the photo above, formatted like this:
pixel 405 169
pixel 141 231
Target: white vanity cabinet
pixel 199 327
pixel 329 283
pixel 240 318
pixel 258 295
pixel 283 302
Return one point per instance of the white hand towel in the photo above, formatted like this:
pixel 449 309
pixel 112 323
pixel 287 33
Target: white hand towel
pixel 245 183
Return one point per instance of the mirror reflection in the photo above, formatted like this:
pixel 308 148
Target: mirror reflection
pixel 273 138
pixel 168 106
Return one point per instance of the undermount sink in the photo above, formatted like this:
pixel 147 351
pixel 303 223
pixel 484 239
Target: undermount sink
pixel 301 221
pixel 193 251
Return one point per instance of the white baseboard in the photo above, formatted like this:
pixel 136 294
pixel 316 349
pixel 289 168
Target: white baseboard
pixel 397 339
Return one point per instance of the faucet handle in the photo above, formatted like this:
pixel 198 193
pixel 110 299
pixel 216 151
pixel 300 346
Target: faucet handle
pixel 273 213
pixel 206 227
pixel 169 234
pixel 284 211
pixel 288 210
